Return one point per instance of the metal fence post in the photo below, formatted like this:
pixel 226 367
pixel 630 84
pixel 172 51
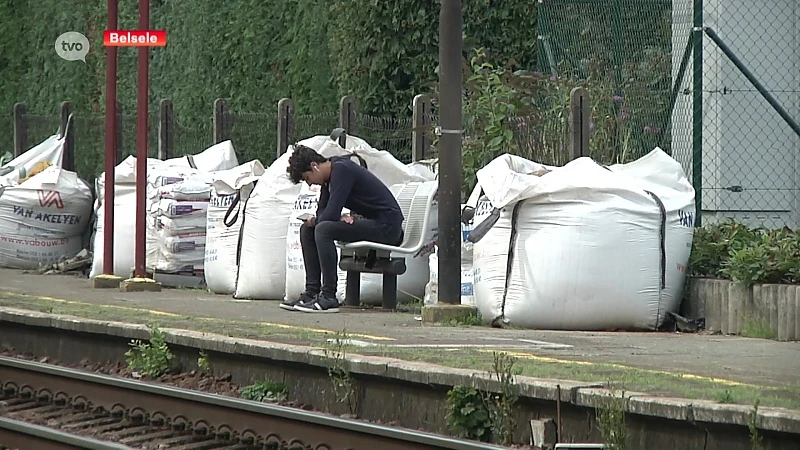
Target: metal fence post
pixel 165 130
pixel 347 117
pixel 220 110
pixel 579 122
pixel 120 133
pixel 697 110
pixel 285 124
pixel 420 126
pixel 20 129
pixel 67 129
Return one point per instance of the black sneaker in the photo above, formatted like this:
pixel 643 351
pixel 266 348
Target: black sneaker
pixel 289 305
pixel 320 304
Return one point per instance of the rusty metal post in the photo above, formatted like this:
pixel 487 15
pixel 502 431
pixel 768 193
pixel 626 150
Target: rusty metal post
pixel 20 130
pixel 165 129
pixel 142 114
pixel 579 122
pixel 220 113
pixel 112 144
pixel 67 130
pixel 285 124
pixel 420 127
pixel 347 117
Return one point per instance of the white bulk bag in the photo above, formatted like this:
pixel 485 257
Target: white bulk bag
pixel 43 219
pixel 49 151
pixel 229 196
pixel 584 244
pixel 159 174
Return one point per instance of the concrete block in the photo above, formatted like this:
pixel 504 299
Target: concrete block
pixel 765 305
pixel 723 298
pixel 786 313
pixel 739 296
pixel 668 408
pixel 693 306
pixel 797 313
pixel 712 412
pixel 543 433
pixel 105 282
pixel 443 312
pixel 778 419
pixel 711 291
pixel 547 389
pixel 140 285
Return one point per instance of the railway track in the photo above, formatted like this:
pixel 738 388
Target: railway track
pixel 44 407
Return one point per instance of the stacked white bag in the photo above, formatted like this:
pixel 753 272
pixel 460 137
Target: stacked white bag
pixel 176 221
pixel 481 208
pixel 42 215
pixel 217 157
pixel 585 243
pixel 232 189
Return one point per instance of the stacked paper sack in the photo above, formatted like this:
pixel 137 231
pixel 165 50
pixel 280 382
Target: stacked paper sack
pixel 176 223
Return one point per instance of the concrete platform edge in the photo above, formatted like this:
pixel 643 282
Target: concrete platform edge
pixel 577 393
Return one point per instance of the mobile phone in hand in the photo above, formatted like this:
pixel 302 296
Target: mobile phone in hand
pixel 304 217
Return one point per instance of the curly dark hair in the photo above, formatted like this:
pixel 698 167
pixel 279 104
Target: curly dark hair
pixel 300 162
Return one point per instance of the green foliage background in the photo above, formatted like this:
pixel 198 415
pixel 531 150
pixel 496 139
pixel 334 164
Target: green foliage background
pixel 250 52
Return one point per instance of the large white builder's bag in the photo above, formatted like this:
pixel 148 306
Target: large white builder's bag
pixel 229 196
pixel 262 265
pixel 159 175
pixel 49 152
pixel 42 219
pixel 583 247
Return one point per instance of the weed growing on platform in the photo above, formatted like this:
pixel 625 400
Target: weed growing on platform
pixel 501 404
pixel 467 413
pixel 151 359
pixel 756 441
pixel 265 391
pixel 203 363
pixel 344 387
pixel 611 422
pixel 726 396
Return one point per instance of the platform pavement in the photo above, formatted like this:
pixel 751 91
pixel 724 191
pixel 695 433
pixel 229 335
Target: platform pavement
pixel 740 360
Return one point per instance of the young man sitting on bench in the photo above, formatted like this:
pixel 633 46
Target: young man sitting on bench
pixel 375 216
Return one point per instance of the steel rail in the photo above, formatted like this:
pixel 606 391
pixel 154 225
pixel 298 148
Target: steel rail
pixel 21 435
pixel 219 414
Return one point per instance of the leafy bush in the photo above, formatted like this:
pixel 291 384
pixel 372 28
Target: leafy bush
pixel 734 251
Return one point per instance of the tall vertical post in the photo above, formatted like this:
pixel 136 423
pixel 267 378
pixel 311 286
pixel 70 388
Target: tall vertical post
pixel 450 84
pixel 421 109
pixel 347 118
pixel 111 144
pixel 164 129
pixel 68 158
pixel 285 125
pixel 142 108
pixel 697 110
pixel 579 122
pixel 219 120
pixel 20 130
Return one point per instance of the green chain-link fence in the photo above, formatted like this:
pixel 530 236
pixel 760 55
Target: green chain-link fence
pixel 717 85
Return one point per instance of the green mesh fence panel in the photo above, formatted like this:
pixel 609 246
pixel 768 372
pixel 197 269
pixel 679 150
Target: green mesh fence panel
pixel 387 133
pixel 621 52
pixel 308 125
pixel 254 135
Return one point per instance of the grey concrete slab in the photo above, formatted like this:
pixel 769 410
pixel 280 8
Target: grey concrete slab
pixel 740 359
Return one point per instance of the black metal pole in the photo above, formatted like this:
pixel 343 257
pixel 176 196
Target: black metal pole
pixel 687 52
pixel 754 81
pixel 697 111
pixel 450 85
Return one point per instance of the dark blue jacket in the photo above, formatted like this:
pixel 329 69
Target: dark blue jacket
pixel 359 190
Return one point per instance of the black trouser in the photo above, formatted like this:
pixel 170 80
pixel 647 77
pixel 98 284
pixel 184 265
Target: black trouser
pixel 319 248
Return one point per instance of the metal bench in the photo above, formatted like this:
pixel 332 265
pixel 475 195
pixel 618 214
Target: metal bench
pixel 415 201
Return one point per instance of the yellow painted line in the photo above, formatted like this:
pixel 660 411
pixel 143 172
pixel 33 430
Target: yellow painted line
pixel 170 314
pixel 690 376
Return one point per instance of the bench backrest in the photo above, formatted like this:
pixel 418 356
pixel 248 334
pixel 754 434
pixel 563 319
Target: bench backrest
pixel 416 201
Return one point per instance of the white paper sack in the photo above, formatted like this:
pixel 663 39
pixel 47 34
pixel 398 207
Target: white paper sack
pixel 587 251
pixel 222 240
pixel 217 157
pixel 43 219
pixel 51 151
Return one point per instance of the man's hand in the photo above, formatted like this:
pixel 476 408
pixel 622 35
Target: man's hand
pixel 311 221
pixel 348 219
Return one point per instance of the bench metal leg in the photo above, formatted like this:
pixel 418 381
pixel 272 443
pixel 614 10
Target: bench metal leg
pixel 352 296
pixel 389 291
